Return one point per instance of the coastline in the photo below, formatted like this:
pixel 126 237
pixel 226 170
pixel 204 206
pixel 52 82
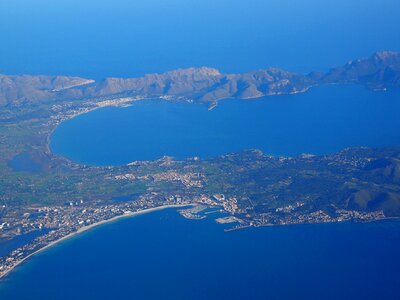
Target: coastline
pixel 118 102
pixel 101 104
pixel 87 228
pixel 312 223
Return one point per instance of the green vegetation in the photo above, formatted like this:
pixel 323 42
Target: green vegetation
pixel 251 183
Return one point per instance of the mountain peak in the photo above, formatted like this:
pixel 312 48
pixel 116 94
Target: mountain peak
pixel 389 58
pixel 383 55
pixel 205 71
pixel 379 72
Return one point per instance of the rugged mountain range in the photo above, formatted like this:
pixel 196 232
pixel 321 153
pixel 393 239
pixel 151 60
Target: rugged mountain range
pixel 380 71
pixel 18 90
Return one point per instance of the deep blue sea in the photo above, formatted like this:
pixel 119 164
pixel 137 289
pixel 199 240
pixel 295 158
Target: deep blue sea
pixel 164 256
pixel 161 255
pixel 322 120
pixel 125 38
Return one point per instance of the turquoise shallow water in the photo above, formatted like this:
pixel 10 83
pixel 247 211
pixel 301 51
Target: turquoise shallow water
pixel 164 256
pixel 322 120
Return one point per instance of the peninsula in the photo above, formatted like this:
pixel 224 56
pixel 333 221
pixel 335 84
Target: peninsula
pixel 56 198
pixel 207 85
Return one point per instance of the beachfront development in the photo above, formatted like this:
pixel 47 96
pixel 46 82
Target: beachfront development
pixel 60 222
pixel 53 198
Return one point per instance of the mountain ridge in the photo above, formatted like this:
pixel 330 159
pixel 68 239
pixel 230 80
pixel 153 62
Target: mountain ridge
pixel 380 71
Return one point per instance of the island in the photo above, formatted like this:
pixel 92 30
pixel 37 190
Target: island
pixel 56 198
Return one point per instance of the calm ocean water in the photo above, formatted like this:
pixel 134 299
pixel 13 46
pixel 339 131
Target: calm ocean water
pixel 164 256
pixel 98 38
pixel 323 120
pixel 161 255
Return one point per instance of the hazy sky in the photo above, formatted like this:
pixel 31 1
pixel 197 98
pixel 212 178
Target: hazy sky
pixel 129 38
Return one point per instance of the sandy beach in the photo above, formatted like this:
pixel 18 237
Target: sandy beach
pixel 86 228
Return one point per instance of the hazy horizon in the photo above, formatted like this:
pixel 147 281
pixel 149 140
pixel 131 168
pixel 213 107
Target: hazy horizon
pixel 97 39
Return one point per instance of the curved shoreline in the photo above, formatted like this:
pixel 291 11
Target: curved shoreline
pixel 87 228
pixel 118 102
pixel 98 105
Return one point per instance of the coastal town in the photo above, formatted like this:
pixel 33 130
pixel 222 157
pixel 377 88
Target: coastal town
pixel 47 198
pixel 200 150
pixel 54 224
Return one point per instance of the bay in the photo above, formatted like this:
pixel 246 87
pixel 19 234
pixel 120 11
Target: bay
pixel 321 121
pixel 164 256
pixel 161 255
